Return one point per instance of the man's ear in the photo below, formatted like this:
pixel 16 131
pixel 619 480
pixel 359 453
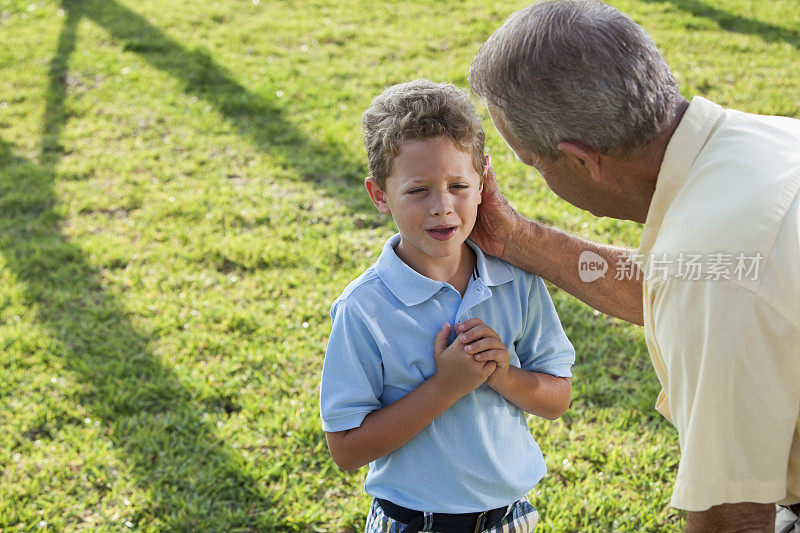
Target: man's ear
pixel 579 157
pixel 377 195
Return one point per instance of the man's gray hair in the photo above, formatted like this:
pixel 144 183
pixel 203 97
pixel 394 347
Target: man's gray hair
pixel 575 70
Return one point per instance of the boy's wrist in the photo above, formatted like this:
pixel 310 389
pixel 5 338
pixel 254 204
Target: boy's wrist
pixel 439 387
pixel 499 382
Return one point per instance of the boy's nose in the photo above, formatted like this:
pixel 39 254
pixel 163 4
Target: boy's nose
pixel 442 206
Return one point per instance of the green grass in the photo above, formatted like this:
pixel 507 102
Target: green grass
pixel 180 202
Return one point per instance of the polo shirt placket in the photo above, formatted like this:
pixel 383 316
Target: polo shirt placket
pixel 412 288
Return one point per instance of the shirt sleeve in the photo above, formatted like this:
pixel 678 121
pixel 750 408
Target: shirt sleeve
pixel 728 363
pixel 543 346
pixel 352 374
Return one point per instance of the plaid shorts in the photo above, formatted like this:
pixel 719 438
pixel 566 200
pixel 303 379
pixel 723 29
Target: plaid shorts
pixel 521 517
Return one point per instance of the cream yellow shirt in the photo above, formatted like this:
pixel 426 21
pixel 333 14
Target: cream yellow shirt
pixel 721 255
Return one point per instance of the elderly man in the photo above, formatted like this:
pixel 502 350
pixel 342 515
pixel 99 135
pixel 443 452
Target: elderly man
pixel 579 91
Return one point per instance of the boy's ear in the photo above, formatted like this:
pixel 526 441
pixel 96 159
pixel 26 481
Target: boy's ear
pixel 579 157
pixel 377 196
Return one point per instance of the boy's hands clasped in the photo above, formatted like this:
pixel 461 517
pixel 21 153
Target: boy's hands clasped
pixel 457 369
pixel 477 356
pixel 484 344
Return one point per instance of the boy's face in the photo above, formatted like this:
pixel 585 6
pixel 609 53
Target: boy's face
pixel 432 192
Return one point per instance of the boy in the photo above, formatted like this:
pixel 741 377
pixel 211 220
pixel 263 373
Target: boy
pixel 441 422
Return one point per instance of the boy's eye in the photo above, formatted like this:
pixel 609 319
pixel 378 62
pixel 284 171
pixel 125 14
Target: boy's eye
pixel 423 189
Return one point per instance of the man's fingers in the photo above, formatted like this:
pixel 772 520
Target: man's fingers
pixel 489 178
pixel 440 341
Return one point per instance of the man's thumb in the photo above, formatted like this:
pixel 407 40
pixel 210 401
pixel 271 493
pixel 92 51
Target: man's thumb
pixel 440 342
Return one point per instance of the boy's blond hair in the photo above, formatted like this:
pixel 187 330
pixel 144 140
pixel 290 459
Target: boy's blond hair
pixel 419 110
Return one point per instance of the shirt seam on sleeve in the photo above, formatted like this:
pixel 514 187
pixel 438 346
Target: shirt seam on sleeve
pixel 354 413
pixel 544 369
pixel 773 304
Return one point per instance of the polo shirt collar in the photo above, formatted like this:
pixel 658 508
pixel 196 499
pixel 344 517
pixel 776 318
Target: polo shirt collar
pixel 412 288
pixel 682 150
pixel 491 271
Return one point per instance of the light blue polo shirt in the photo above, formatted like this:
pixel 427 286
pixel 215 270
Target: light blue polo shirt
pixel 479 454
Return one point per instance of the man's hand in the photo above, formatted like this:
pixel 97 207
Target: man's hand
pixel 456 369
pixel 485 344
pixel 497 220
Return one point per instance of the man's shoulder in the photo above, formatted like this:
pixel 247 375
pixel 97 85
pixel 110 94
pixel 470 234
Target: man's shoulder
pixel 738 190
pixel 755 149
pixel 744 123
pixel 758 252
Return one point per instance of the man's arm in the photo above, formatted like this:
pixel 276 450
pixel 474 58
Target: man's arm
pixel 387 429
pixel 553 255
pixel 733 518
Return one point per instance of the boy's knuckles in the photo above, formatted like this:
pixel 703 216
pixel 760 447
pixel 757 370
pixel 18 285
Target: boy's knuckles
pixel 483 344
pixel 469 324
pixel 478 332
pixel 499 356
pixel 478 346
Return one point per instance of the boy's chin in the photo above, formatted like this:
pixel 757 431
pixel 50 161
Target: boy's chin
pixel 448 247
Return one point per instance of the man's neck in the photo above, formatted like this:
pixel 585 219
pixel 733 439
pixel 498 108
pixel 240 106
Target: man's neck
pixel 641 171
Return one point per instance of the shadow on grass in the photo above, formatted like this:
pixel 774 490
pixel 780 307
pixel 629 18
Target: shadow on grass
pixel 153 418
pixel 156 421
pixel 255 118
pixel 189 474
pixel 54 118
pixel 737 23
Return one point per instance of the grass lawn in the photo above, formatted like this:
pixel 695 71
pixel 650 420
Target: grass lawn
pixel 181 201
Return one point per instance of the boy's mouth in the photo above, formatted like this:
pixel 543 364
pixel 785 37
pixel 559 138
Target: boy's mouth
pixel 443 233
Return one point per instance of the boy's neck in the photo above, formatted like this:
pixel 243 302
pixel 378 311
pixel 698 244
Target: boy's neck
pixel 455 269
